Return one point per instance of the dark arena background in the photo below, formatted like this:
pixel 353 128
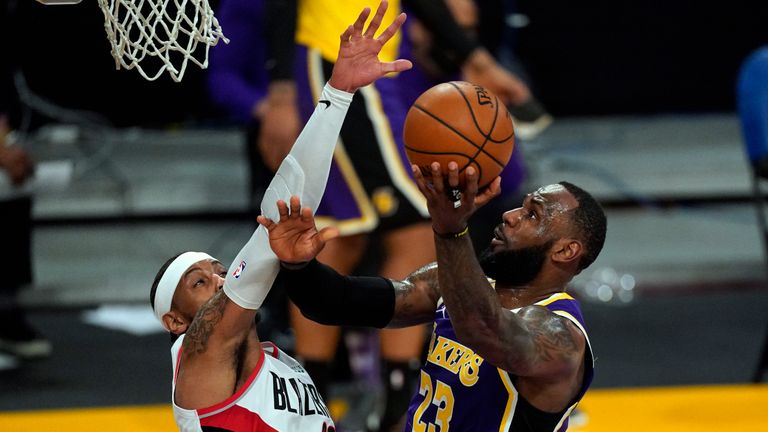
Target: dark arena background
pixel 585 58
pixel 644 100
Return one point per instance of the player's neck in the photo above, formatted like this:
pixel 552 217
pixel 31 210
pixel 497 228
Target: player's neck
pixel 247 357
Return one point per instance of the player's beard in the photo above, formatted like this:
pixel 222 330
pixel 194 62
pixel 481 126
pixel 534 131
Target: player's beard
pixel 514 267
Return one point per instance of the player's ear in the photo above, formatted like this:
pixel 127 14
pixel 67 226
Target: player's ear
pixel 567 250
pixel 175 322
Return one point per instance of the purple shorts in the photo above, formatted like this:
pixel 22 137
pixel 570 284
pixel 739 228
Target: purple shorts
pixel 370 184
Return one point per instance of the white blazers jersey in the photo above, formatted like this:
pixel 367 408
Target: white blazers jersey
pixel 278 396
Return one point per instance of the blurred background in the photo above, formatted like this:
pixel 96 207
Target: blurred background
pixel 644 100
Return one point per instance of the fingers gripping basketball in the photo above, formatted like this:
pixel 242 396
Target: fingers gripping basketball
pixel 462 122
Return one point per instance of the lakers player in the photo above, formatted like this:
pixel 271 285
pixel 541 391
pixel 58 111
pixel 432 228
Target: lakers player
pixel 224 377
pixel 509 355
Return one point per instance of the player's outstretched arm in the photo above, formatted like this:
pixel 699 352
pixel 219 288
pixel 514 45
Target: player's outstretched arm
pixel 304 172
pixel 325 296
pixel 227 318
pixel 532 343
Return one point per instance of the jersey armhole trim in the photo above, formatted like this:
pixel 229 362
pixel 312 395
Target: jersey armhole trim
pixel 214 409
pixel 576 322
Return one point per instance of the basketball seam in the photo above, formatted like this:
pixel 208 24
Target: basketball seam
pixel 482 148
pixel 474 119
pixel 449 127
pixel 487 137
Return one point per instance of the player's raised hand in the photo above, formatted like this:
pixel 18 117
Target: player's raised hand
pixel 450 206
pixel 295 238
pixel 358 61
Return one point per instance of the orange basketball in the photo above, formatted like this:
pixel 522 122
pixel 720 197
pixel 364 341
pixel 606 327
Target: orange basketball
pixel 462 122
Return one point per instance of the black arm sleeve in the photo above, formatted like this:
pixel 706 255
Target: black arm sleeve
pixel 281 31
pixel 325 296
pixel 447 33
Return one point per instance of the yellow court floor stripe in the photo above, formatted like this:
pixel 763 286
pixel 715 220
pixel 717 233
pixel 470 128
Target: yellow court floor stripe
pixel 694 408
pixel 663 409
pixel 151 418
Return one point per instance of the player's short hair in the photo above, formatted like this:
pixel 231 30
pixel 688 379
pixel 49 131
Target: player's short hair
pixel 590 222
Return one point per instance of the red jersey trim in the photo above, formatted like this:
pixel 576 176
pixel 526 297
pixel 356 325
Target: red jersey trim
pixel 176 369
pixel 275 350
pixel 232 399
pixel 239 419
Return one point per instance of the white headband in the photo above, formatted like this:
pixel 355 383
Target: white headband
pixel 170 279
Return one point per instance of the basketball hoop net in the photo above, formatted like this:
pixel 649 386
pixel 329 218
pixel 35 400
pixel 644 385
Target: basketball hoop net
pixel 155 36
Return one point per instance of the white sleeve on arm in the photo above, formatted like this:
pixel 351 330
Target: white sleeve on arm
pixel 304 172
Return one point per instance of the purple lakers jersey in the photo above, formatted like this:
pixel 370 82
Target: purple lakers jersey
pixel 459 391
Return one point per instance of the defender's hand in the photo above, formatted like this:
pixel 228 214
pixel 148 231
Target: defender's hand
pixel 295 238
pixel 358 62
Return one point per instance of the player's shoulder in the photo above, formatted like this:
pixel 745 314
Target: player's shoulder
pixel 557 329
pixel 536 312
pixel 549 316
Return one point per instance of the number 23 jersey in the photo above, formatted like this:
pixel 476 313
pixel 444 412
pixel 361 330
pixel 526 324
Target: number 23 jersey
pixel 460 391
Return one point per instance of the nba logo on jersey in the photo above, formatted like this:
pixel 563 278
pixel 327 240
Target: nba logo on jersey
pixel 239 270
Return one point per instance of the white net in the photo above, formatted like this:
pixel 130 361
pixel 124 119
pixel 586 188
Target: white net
pixel 155 36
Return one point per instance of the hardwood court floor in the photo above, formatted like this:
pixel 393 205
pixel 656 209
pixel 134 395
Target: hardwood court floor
pixel 658 409
pixel 674 409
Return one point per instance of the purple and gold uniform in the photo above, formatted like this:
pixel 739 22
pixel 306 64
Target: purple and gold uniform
pixel 370 186
pixel 460 391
